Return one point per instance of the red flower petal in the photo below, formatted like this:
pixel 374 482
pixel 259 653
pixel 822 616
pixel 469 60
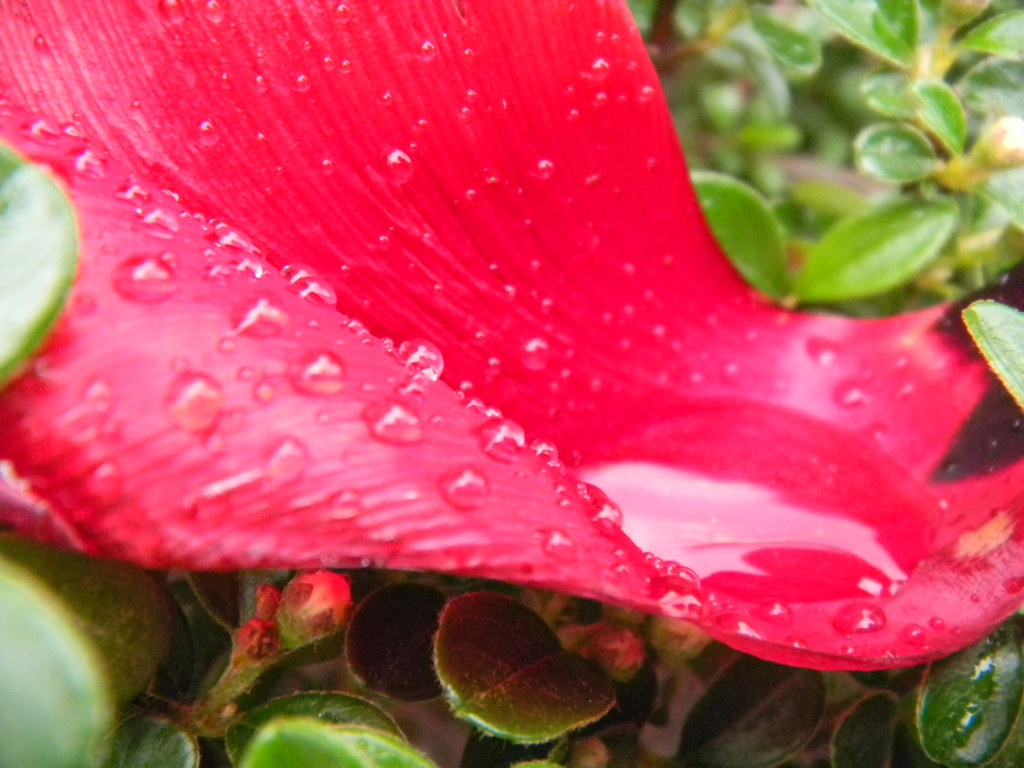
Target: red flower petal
pixel 507 185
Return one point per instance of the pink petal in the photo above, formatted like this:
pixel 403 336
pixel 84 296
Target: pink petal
pixel 508 185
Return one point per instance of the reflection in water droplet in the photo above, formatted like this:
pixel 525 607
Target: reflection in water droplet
pixel 822 351
pixel 536 354
pixel 398 166
pixel 858 617
pixel 260 320
pixel 501 439
pixel 393 422
pixel 937 623
pixel 914 634
pixel 194 402
pixel 736 622
pixel 545 169
pixel 647 93
pixel 208 135
pixel 849 394
pixel 465 487
pixel 145 279
pixel 547 452
pixel 214 10
pixel 599 69
pixel 172 10
pixel 287 459
pixel 559 544
pixel 774 612
pixel 302 83
pixel 346 506
pixel 309 284
pixel 422 358
pixel 429 50
pixel 320 373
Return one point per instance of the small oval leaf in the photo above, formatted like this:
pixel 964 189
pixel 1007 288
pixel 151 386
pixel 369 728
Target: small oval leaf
pixel 970 700
pixel 797 52
pixel 998 330
pixel 864 736
pixel 301 742
pixel 502 668
pixel 995 87
pixel 894 152
pixel 755 714
pixel 38 257
pixel 942 113
pixel 1006 189
pixel 868 254
pixel 1002 35
pixel 889 94
pixel 887 28
pixel 152 742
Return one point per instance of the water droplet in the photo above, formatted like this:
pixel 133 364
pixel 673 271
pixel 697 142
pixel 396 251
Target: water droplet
pixel 194 402
pixel 605 513
pixel 172 10
pixel 309 284
pixel 398 166
pixel 429 50
pixel 343 11
pixel 647 93
pixel 501 439
pixel 858 617
pixel 105 482
pixel 422 358
pixel 393 422
pixel 346 506
pixel 536 354
pixel 319 373
pixel 937 623
pixel 145 279
pixel 208 135
pixel 677 591
pixel 914 634
pixel 848 394
pixel 302 83
pixel 547 452
pixel 88 163
pixel 736 622
pixel 261 320
pixel 774 612
pixel 599 69
pixel 822 351
pixel 214 10
pixel 465 487
pixel 545 169
pixel 559 544
pixel 287 460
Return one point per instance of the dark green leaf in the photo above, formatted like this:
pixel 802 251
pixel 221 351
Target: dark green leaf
pixel 894 152
pixel 864 736
pixel 887 28
pixel 869 254
pixel 502 668
pixel 1002 35
pixel 151 742
pixel 55 706
pixel 333 708
pixel 746 229
pixel 889 94
pixel 797 52
pixel 970 700
pixel 1006 189
pixel 995 87
pixel 390 641
pixel 998 330
pixel 754 715
pixel 119 606
pixel 941 112
pixel 484 751
pixel 537 764
pixel 38 256
pixel 303 743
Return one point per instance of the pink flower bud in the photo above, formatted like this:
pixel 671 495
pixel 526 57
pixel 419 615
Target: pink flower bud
pixel 257 639
pixel 266 600
pixel 314 605
pixel 619 651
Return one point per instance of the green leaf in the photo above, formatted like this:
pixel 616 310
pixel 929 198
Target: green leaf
pixel 38 257
pixel 998 330
pixel 1006 189
pixel 889 94
pixel 746 229
pixel 894 152
pixel 1002 35
pixel 55 706
pixel 329 708
pixel 869 254
pixel 942 113
pixel 119 606
pixel 502 668
pixel 152 742
pixel 995 87
pixel 302 742
pixel 755 714
pixel 864 736
pixel 887 28
pixel 797 52
pixel 970 700
pixel 537 764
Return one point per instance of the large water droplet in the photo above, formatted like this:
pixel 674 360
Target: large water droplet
pixel 422 358
pixel 319 373
pixel 214 10
pixel 859 617
pixel 774 612
pixel 501 439
pixel 536 354
pixel 306 282
pixel 287 460
pixel 398 166
pixel 737 623
pixel 559 544
pixel 194 402
pixel 260 320
pixel 465 487
pixel 146 279
pixel 393 422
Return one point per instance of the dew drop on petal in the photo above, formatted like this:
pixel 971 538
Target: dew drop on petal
pixel 287 459
pixel 145 279
pixel 172 10
pixel 599 69
pixel 545 169
pixel 422 358
pixel 914 634
pixel 194 402
pixel 536 354
pixel 501 439
pixel 398 166
pixel 647 93
pixel 260 320
pixel 105 482
pixel 859 617
pixel 547 452
pixel 559 544
pixel 737 623
pixel 346 506
pixel 849 394
pixel 306 282
pixel 937 623
pixel 319 373
pixel 774 612
pixel 208 135
pixel 822 351
pixel 393 422
pixel 464 487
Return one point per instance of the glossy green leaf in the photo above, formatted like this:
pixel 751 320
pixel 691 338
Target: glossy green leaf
pixel 998 330
pixel 894 152
pixel 995 87
pixel 864 735
pixel 502 668
pixel 869 254
pixel 940 110
pixel 887 28
pixel 1002 35
pixel 746 229
pixel 797 52
pixel 38 257
pixel 1006 189
pixel 55 707
pixel 327 707
pixel 152 742
pixel 970 700
pixel 303 743
pixel 119 606
pixel 889 94
pixel 754 715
